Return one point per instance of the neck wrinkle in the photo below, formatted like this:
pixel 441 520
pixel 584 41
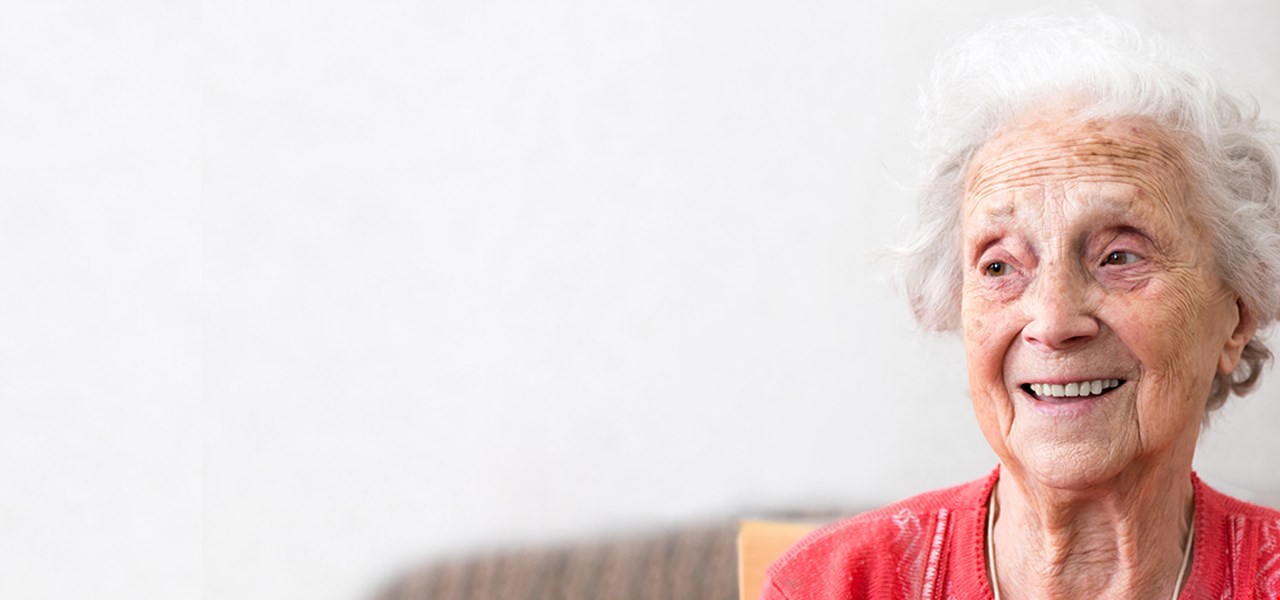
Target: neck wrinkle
pixel 1122 540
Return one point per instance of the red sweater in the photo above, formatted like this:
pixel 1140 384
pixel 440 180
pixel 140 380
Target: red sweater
pixel 932 547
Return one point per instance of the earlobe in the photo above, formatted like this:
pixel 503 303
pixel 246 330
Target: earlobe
pixel 1246 327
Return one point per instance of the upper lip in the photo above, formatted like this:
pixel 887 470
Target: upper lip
pixel 1059 380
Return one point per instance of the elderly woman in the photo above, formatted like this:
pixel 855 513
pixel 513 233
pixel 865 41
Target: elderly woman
pixel 1102 223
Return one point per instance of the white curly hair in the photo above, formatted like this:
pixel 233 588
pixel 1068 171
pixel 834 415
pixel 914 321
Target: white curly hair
pixel 1113 70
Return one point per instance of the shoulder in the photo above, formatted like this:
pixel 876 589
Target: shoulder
pixel 1217 503
pixel 1237 544
pixel 849 557
pixel 891 521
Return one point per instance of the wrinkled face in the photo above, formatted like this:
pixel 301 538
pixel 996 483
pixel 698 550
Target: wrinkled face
pixel 1094 316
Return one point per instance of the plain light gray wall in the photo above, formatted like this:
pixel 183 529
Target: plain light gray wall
pixel 424 277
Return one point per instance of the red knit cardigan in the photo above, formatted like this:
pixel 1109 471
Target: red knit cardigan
pixel 931 547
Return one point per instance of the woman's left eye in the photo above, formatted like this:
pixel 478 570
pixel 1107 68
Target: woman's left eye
pixel 1120 258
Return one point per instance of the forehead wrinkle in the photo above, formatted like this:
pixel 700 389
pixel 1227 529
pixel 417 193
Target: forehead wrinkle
pixel 1092 203
pixel 1104 157
pixel 1095 202
pixel 1087 203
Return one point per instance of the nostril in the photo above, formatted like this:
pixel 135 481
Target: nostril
pixel 1061 332
pixel 1060 314
pixel 1076 339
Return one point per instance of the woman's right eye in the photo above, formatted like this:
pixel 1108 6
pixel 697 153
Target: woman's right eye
pixel 997 269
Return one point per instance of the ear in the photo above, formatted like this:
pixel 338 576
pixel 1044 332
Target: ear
pixel 1246 326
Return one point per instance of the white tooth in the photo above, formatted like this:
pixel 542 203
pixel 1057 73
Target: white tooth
pixel 1073 390
pixel 1115 383
pixel 1096 386
pixel 1056 390
pixel 1035 387
pixel 1084 388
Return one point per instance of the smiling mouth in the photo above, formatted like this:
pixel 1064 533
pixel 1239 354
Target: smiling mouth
pixel 1059 391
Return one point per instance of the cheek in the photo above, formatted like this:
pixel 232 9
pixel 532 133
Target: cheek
pixel 988 329
pixel 1171 329
pixel 985 350
pixel 975 310
pixel 975 319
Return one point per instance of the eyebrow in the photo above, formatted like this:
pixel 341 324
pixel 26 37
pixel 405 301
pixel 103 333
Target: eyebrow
pixel 1111 204
pixel 1000 213
pixel 994 218
pixel 993 213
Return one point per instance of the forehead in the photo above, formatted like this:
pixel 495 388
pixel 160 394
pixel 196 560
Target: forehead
pixel 1128 163
pixel 1100 199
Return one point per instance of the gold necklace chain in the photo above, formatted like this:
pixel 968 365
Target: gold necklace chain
pixel 991 549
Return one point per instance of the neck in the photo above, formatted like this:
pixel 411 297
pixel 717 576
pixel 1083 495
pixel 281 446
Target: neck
pixel 1121 539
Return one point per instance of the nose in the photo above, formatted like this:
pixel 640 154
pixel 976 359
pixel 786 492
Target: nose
pixel 1060 318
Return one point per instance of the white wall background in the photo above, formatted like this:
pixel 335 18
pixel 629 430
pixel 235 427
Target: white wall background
pixel 100 489
pixel 295 294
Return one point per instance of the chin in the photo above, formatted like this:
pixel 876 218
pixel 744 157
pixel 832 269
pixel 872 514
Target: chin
pixel 1070 459
pixel 1072 468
